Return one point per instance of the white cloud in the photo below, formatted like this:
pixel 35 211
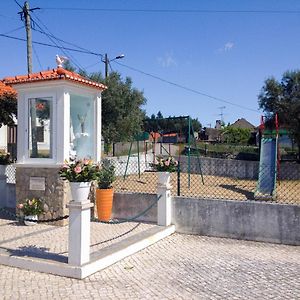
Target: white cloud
pixel 167 61
pixel 226 48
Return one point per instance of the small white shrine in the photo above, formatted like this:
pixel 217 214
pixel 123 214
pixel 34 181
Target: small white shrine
pixel 59 117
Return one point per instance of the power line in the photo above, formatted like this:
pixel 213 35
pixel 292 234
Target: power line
pixel 187 88
pixel 144 73
pixel 8 17
pixel 14 30
pixel 48 45
pixel 37 57
pixel 52 38
pixel 203 11
pixel 72 44
pixel 18 4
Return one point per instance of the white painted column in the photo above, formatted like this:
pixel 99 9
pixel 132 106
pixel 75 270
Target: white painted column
pixel 164 205
pixel 79 232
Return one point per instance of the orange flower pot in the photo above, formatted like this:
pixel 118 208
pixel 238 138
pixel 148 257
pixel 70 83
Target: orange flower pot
pixel 104 201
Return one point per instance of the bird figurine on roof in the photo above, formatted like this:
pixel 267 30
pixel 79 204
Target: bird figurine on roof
pixel 60 60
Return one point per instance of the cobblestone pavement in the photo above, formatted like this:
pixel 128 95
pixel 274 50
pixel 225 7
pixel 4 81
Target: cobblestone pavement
pixel 52 241
pixel 178 267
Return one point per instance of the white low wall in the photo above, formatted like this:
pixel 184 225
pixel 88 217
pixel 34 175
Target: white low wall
pixel 245 220
pixel 121 161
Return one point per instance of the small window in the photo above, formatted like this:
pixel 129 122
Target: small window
pixel 40 127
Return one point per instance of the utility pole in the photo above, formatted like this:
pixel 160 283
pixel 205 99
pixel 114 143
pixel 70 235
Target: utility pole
pixel 26 12
pixel 106 62
pixel 25 16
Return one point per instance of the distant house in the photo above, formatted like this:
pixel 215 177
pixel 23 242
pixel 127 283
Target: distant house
pixel 215 134
pixel 244 124
pixel 210 134
pixel 168 138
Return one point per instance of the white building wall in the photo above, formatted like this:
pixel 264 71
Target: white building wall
pixel 3 137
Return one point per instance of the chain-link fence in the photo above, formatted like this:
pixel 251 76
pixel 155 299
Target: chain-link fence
pixel 10 172
pixel 217 179
pixel 209 178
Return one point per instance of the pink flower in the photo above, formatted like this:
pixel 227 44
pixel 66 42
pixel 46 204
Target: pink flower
pixel 167 163
pixel 77 169
pixel 86 161
pixel 20 206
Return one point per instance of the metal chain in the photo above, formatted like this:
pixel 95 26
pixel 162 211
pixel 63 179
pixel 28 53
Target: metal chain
pixel 128 219
pixel 19 218
pixel 22 218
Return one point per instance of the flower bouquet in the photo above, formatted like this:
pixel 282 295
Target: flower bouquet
pixel 80 173
pixel 31 208
pixel 168 164
pixel 80 170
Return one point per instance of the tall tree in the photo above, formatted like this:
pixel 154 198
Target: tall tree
pixel 283 98
pixel 122 115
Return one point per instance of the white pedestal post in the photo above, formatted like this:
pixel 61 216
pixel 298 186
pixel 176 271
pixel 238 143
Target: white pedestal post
pixel 164 205
pixel 79 232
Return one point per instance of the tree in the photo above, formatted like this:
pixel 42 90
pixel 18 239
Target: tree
pixel 234 135
pixel 8 105
pixel 122 115
pixel 171 124
pixel 283 98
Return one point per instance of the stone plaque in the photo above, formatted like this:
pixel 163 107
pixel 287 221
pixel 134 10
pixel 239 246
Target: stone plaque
pixel 37 183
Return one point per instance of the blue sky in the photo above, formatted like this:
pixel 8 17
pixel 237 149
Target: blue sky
pixel 224 55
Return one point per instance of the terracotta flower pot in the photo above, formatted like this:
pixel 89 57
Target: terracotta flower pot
pixel 104 200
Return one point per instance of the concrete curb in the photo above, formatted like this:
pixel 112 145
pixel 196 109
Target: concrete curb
pixel 99 260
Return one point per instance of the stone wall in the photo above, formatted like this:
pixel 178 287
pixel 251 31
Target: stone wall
pixel 241 169
pixel 55 196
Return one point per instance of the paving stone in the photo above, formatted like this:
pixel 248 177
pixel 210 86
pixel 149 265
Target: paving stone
pixel 178 267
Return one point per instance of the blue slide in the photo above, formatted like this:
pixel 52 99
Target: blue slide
pixel 266 185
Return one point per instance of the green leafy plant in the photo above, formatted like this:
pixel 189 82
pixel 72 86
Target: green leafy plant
pixel 31 207
pixel 106 175
pixel 80 170
pixel 5 159
pixel 165 164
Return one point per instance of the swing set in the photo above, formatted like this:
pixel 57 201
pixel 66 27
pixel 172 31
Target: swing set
pixel 160 136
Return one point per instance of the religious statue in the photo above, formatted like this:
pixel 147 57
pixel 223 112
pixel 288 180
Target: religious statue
pixel 81 121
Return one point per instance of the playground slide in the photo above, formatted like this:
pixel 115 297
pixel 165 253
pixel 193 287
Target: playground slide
pixel 266 185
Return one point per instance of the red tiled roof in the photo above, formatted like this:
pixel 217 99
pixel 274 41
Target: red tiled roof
pixel 155 135
pixel 170 134
pixel 54 74
pixel 5 89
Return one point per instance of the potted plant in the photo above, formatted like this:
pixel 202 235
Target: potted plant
pixel 104 191
pixel 4 161
pixel 165 166
pixel 80 173
pixel 30 209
